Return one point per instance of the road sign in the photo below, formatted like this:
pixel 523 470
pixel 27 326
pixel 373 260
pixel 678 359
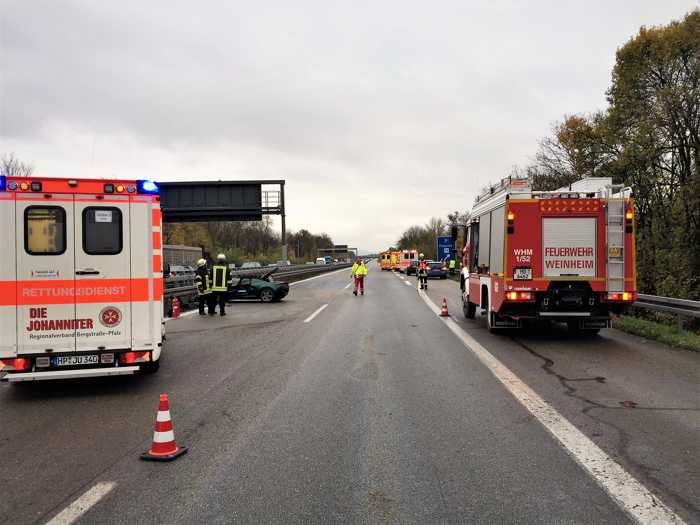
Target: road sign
pixel 445 248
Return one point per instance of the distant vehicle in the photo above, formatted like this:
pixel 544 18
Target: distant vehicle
pixel 250 264
pixel 385 260
pixel 407 255
pixel 310 262
pixel 263 288
pixel 232 266
pixel 412 269
pixel 437 269
pixel 320 260
pixel 328 259
pixel 282 263
pixel 395 260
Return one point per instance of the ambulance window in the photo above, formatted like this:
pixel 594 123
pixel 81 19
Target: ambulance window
pixel 102 230
pixel 45 230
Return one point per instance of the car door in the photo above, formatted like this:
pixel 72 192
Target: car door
pixel 103 272
pixel 45 273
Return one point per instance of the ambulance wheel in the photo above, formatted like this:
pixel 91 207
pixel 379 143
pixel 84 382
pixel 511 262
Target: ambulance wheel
pixel 150 368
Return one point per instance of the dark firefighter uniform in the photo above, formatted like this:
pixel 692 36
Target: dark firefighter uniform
pixel 219 287
pixel 203 283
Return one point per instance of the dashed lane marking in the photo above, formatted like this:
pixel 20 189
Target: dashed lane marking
pixel 347 286
pixel 313 315
pixel 633 497
pixel 407 283
pixel 84 503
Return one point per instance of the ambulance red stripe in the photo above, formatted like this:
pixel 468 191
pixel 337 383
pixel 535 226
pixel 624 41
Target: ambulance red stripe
pixel 82 292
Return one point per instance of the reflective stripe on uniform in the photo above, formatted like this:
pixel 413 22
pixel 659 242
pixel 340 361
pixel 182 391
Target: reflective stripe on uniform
pixel 219 278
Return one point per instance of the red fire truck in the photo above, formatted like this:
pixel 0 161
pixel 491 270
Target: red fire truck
pixel 81 283
pixel 566 255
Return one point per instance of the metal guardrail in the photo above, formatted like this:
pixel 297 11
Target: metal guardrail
pixel 682 308
pixel 297 270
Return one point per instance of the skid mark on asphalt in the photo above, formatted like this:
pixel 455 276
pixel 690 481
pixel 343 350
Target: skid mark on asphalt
pixel 632 497
pixel 624 438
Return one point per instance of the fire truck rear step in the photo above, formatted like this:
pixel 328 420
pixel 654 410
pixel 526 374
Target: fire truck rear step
pixel 71 374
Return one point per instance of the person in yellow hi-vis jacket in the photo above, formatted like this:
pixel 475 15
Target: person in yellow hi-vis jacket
pixel 219 285
pixel 358 274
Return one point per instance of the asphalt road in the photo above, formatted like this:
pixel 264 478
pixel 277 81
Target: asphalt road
pixel 370 412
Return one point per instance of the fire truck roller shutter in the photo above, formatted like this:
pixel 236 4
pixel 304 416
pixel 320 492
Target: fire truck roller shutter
pixel 484 239
pixel 497 238
pixel 8 278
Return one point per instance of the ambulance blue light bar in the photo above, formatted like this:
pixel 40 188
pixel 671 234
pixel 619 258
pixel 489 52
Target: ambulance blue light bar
pixel 3 183
pixel 148 187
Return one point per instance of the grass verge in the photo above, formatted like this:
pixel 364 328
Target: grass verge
pixel 658 332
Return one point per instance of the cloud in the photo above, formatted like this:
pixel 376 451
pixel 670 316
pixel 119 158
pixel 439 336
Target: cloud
pixel 397 110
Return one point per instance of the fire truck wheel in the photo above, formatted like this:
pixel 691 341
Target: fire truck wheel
pixel 468 308
pixel 150 368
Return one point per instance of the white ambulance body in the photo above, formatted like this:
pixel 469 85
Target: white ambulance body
pixel 81 280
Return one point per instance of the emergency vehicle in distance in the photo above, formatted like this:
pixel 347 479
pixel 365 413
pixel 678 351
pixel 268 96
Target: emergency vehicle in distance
pixel 385 260
pixel 395 258
pixel 566 255
pixel 406 257
pixel 81 282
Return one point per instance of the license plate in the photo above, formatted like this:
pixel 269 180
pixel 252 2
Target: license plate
pixel 75 360
pixel 522 274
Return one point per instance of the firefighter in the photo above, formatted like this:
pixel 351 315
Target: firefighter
pixel 452 265
pixel 219 285
pixel 359 271
pixel 422 272
pixel 203 284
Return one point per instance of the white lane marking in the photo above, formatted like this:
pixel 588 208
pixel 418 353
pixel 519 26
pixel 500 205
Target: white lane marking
pixel 84 503
pixel 407 283
pixel 313 315
pixel 319 276
pixel 633 497
pixel 347 286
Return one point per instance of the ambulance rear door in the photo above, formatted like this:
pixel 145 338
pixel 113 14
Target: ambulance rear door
pixel 45 273
pixel 103 272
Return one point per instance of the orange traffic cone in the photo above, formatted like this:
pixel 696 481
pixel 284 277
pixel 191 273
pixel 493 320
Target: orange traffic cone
pixel 443 308
pixel 163 447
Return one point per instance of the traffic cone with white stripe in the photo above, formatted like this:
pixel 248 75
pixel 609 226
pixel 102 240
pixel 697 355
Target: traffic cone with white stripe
pixel 163 447
pixel 443 308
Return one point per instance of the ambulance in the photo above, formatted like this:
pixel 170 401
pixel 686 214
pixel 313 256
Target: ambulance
pixel 81 282
pixel 406 257
pixel 566 255
pixel 385 260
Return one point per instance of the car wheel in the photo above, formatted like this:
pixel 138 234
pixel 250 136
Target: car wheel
pixel 267 295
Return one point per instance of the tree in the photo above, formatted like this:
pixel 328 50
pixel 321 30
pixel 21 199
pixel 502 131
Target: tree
pixel 11 166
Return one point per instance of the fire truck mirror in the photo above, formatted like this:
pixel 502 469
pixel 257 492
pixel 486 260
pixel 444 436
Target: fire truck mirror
pixel 166 269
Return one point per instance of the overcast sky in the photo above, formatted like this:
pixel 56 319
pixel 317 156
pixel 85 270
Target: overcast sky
pixel 379 115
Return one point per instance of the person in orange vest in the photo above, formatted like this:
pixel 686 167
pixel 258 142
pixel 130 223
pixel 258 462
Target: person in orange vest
pixel 422 272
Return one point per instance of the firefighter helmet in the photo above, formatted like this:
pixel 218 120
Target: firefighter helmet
pixel 201 263
pixel 221 258
pixel 421 256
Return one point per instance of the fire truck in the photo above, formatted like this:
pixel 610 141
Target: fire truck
pixel 394 259
pixel 81 282
pixel 566 255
